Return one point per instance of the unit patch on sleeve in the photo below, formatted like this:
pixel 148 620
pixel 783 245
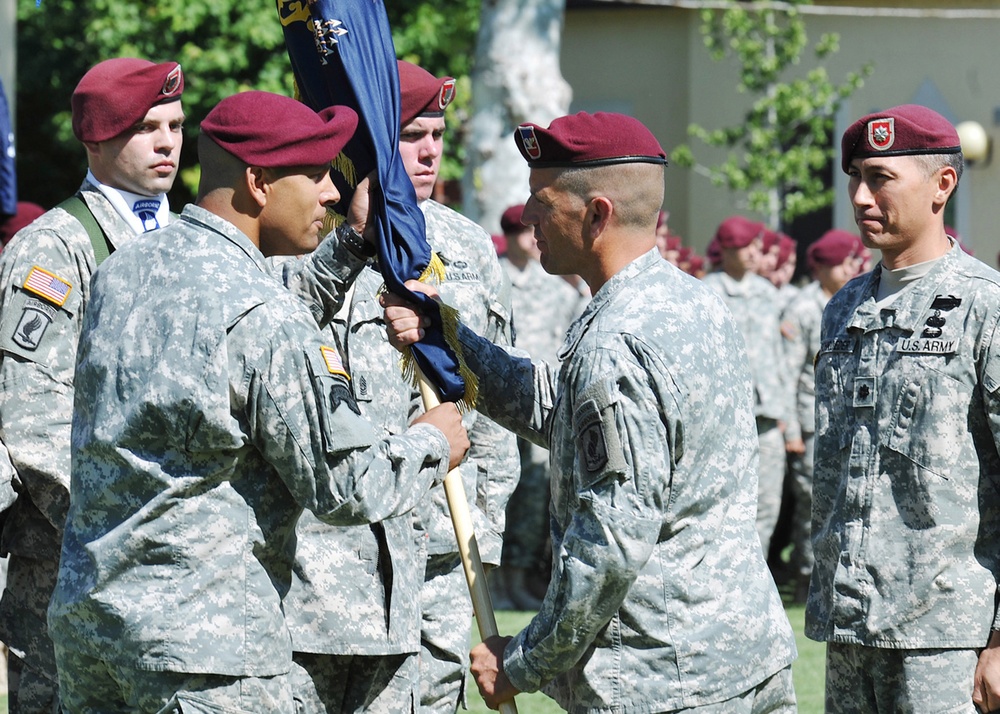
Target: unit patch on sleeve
pixel 47 285
pixel 35 319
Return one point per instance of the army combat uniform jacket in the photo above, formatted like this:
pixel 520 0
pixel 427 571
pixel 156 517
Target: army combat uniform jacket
pixel 800 327
pixel 754 303
pixel 660 598
pixel 208 414
pixel 375 572
pixel 44 290
pixel 906 514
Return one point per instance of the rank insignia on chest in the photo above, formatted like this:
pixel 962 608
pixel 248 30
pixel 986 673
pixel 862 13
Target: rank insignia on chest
pixel 331 358
pixel 864 391
pixel 35 319
pixel 47 285
pixel 362 387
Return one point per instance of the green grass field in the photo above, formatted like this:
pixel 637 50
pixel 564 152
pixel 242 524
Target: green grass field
pixel 807 669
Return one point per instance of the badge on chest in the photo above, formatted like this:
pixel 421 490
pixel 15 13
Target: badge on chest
pixel 934 337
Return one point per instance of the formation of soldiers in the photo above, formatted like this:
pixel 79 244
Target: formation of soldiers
pixel 220 494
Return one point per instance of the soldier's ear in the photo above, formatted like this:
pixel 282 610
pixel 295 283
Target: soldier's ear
pixel 947 182
pixel 256 181
pixel 599 212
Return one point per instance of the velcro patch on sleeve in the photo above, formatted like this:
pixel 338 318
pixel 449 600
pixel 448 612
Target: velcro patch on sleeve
pixel 598 442
pixel 47 285
pixel 334 365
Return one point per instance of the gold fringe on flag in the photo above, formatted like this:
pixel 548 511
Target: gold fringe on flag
pixel 434 274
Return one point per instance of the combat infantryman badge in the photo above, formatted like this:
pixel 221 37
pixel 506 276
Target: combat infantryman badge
pixel 881 133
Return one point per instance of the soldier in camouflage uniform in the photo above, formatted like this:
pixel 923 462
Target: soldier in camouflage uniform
pixel 753 300
pixel 544 306
pixel 128 114
pixel 405 590
pixel 906 520
pixel 209 412
pixel 660 598
pixel 831 259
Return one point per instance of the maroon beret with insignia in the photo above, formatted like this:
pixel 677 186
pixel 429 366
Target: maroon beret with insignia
pixel 421 93
pixel 832 248
pixel 738 232
pixel 905 130
pixel 582 140
pixel 114 95
pixel 510 220
pixel 271 130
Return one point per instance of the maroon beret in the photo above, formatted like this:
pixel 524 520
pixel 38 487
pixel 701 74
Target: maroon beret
pixel 270 130
pixel 786 248
pixel 510 220
pixel 738 232
pixel 421 93
pixel 832 248
pixel 769 239
pixel 713 252
pixel 905 130
pixel 584 140
pixel 26 213
pixel 114 95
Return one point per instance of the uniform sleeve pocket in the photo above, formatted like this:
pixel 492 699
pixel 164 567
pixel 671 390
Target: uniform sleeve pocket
pixel 344 429
pixel 598 442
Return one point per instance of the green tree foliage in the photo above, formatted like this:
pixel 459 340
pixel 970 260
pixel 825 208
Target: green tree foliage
pixel 225 47
pixel 778 152
pixel 441 38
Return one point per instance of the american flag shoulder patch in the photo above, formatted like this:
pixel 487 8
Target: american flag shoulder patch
pixel 47 285
pixel 334 364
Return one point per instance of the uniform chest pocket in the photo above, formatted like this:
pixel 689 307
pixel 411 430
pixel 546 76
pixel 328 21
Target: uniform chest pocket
pixel 930 422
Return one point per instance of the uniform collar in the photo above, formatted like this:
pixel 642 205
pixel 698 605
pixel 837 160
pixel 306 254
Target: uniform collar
pixel 124 202
pixel 911 306
pixel 608 292
pixel 207 220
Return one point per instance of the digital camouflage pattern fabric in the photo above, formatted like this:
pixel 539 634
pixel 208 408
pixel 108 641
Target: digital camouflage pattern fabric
pixel 44 292
pixel 377 572
pixel 660 598
pixel 906 531
pixel 209 413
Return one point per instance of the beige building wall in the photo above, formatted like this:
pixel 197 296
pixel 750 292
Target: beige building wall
pixel 651 62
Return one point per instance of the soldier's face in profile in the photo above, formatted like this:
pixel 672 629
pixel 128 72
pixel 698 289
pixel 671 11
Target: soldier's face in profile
pixel 292 216
pixel 893 199
pixel 557 216
pixel 143 159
